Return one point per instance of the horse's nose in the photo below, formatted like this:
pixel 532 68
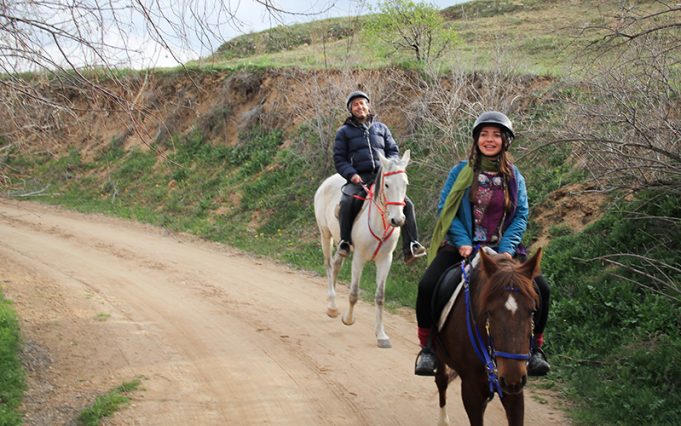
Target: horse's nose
pixel 513 388
pixel 397 221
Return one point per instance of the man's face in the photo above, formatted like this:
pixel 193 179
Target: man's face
pixel 359 107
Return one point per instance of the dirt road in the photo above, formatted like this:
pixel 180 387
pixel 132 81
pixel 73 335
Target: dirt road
pixel 218 337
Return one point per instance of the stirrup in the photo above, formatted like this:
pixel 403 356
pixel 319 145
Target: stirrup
pixel 344 248
pixel 426 363
pixel 417 249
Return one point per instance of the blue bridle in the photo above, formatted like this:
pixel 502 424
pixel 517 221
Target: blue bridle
pixel 485 355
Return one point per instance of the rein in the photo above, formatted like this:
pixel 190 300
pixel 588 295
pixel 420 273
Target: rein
pixel 387 228
pixel 487 354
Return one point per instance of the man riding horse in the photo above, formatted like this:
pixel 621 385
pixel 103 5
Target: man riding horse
pixel 355 154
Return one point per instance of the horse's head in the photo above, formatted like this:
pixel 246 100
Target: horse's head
pixel 392 186
pixel 505 306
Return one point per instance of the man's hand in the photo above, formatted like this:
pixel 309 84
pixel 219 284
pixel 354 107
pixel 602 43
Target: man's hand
pixel 465 251
pixel 356 179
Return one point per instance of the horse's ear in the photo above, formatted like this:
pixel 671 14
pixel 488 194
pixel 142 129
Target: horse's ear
pixel 406 157
pixel 531 268
pixel 487 263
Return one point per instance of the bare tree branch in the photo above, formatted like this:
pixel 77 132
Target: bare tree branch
pixel 666 286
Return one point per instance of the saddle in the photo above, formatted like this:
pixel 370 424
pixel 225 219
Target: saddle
pixel 357 194
pixel 449 286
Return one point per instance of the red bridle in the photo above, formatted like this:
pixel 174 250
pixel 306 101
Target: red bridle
pixel 387 229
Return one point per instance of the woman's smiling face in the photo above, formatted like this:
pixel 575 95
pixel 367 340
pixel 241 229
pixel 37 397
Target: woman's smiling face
pixel 489 141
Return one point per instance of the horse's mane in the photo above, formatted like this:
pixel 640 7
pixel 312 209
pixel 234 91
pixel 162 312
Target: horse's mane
pixel 378 184
pixel 506 278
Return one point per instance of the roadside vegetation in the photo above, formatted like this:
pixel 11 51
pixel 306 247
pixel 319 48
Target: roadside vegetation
pixel 107 404
pixel 599 105
pixel 12 382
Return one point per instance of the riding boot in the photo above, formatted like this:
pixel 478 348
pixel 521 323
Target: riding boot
pixel 411 248
pixel 349 207
pixel 345 220
pixel 426 361
pixel 538 365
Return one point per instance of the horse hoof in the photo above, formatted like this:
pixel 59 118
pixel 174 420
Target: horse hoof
pixel 332 312
pixel 346 322
pixel 384 343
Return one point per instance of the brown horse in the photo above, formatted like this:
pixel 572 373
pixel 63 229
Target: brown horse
pixel 486 339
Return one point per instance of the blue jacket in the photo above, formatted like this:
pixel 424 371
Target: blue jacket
pixel 460 232
pixel 356 148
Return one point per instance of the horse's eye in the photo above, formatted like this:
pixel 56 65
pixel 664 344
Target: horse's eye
pixel 387 186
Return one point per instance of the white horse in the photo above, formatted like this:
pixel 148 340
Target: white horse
pixel 374 234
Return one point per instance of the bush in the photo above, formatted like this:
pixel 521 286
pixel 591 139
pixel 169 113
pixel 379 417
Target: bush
pixel 614 331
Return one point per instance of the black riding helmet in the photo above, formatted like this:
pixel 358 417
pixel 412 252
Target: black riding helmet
pixel 354 95
pixel 495 118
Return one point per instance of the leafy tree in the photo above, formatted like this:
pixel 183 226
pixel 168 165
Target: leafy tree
pixel 413 26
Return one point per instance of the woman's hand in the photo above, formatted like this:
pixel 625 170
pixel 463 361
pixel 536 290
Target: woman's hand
pixel 356 179
pixel 465 251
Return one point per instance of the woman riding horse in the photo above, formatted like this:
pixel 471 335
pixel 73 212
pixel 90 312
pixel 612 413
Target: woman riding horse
pixel 483 202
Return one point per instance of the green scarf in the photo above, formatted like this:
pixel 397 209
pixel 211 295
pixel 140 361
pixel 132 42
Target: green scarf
pixel 463 181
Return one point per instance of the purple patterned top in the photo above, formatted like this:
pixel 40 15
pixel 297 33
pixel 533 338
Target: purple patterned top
pixel 488 208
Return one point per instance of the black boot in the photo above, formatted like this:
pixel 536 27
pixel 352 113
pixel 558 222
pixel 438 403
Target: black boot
pixel 538 365
pixel 412 249
pixel 426 363
pixel 345 219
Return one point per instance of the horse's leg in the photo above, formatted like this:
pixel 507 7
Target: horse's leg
pixel 332 265
pixel 382 270
pixel 474 401
pixel 442 381
pixel 357 266
pixel 515 408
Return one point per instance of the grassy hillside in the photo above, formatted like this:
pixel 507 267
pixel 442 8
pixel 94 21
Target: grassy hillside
pixel 539 36
pixel 236 152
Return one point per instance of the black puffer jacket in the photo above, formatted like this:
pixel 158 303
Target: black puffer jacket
pixel 357 146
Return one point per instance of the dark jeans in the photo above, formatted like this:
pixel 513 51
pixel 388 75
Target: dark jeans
pixel 447 257
pixel 350 206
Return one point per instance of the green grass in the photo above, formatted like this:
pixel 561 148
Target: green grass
pixel 12 382
pixel 107 404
